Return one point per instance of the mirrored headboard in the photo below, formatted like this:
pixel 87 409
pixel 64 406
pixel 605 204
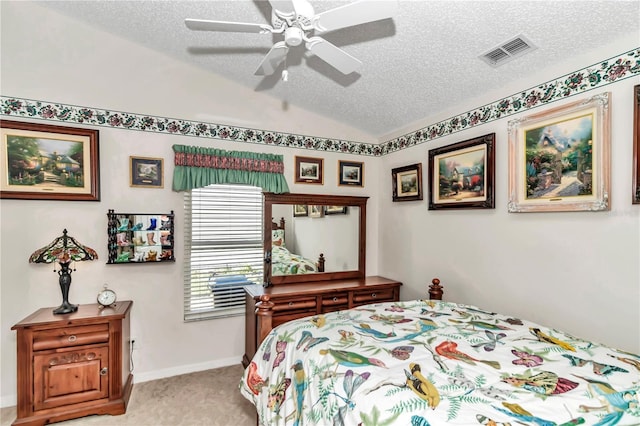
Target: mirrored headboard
pixel 307 233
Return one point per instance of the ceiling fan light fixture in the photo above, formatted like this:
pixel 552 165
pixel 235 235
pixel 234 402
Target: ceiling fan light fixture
pixel 293 36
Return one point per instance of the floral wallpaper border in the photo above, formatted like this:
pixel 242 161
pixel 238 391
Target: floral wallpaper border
pixel 595 76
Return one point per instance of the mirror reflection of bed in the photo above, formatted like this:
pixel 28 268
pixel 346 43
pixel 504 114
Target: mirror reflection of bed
pixel 296 249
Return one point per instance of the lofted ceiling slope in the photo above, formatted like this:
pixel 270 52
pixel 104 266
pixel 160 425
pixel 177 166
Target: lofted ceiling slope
pixel 423 61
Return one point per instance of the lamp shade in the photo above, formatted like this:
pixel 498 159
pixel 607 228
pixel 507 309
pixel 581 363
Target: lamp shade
pixel 63 250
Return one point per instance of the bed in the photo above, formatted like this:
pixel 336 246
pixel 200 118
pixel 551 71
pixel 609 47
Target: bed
pixel 431 362
pixel 283 261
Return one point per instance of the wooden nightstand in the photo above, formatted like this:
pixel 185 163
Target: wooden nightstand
pixel 73 365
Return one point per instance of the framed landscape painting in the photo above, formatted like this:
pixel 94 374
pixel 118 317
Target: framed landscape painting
pixel 462 175
pixel 635 184
pixel 407 182
pixel 300 210
pixel 559 158
pixel 47 162
pixel 309 170
pixel 350 173
pixel 146 172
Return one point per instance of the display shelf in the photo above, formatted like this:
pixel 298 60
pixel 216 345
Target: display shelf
pixel 140 237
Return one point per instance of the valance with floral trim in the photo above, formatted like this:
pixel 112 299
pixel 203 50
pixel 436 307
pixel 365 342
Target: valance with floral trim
pixel 197 167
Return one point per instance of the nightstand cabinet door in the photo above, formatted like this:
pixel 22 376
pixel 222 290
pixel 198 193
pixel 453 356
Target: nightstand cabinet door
pixel 70 377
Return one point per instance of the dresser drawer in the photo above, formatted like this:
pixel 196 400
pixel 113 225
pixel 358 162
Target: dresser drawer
pixel 335 299
pixel 373 296
pixel 294 304
pixel 335 302
pixel 70 336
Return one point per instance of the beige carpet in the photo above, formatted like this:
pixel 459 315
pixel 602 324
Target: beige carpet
pixel 205 398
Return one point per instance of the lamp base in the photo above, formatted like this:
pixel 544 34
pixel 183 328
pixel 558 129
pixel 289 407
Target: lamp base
pixel 65 308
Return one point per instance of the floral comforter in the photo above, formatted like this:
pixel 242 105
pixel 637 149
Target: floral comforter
pixel 437 363
pixel 283 262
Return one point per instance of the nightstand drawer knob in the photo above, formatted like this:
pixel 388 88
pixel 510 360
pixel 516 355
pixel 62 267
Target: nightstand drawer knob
pixel 104 371
pixel 290 303
pixel 374 295
pixel 335 299
pixel 72 338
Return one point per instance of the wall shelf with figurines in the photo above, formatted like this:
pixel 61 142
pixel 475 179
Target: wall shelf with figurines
pixel 140 237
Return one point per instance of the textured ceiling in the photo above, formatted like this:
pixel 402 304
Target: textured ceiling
pixel 421 62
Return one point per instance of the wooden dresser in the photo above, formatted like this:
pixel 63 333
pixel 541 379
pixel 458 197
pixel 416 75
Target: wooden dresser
pixel 269 307
pixel 73 365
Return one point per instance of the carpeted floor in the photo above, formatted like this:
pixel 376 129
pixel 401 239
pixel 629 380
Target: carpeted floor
pixel 208 397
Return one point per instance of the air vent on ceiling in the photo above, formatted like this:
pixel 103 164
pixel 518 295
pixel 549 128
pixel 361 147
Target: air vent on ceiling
pixel 508 51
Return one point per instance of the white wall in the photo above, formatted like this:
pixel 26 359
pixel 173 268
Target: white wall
pixel 591 288
pixel 588 283
pixel 48 57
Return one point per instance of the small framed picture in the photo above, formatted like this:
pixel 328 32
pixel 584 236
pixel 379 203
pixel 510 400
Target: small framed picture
pixel 335 210
pixel 300 210
pixel 407 182
pixel 309 170
pixel 315 211
pixel 350 173
pixel 146 172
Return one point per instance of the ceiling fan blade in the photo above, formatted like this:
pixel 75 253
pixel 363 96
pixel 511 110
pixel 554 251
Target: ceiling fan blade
pixel 334 56
pixel 284 6
pixel 237 27
pixel 355 13
pixel 274 58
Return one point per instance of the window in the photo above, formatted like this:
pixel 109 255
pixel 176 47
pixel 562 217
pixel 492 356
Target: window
pixel 223 249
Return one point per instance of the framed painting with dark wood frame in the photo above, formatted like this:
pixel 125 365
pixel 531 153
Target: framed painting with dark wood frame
pixel 636 145
pixel 407 182
pixel 559 159
pixel 300 210
pixel 350 173
pixel 328 210
pixel 309 170
pixel 146 172
pixel 47 162
pixel 462 175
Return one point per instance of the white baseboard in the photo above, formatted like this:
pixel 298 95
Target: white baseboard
pixel 184 369
pixel 11 400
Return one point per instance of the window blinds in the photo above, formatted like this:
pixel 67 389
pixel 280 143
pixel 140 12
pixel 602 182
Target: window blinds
pixel 223 249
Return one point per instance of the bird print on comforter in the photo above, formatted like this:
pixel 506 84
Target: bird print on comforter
pixel 437 363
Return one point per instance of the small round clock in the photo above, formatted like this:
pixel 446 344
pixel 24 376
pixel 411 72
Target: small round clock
pixel 107 297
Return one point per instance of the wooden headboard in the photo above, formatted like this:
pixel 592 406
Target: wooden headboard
pixel 275 226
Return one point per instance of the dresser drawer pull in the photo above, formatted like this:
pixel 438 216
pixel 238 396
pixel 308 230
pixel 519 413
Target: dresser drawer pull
pixel 290 303
pixel 72 338
pixel 374 295
pixel 104 371
pixel 335 299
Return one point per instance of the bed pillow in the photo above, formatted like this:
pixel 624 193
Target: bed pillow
pixel 277 237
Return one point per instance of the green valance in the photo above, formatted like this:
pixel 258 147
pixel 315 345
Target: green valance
pixel 197 167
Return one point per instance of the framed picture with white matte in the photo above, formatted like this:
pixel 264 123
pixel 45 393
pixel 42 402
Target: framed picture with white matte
pixel 350 173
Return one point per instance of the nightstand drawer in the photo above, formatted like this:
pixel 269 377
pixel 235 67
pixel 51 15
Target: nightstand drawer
pixel 373 296
pixel 70 336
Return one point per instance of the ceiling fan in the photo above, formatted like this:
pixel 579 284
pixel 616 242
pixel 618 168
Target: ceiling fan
pixel 296 20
